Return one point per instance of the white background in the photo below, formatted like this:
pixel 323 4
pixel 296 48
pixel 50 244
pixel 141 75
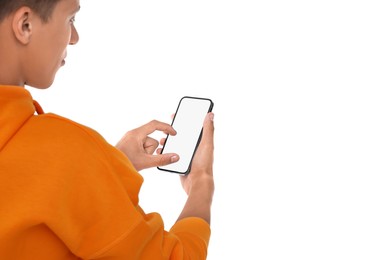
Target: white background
pixel 301 92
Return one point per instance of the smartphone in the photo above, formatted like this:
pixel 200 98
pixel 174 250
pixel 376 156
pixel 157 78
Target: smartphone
pixel 188 123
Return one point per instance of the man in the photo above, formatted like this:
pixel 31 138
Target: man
pixel 65 193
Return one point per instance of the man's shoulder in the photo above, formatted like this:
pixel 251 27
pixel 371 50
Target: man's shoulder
pixel 55 129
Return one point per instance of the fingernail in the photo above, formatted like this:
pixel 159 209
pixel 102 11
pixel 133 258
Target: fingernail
pixel 174 158
pixel 211 116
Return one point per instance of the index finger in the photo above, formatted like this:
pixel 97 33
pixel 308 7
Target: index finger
pixel 156 125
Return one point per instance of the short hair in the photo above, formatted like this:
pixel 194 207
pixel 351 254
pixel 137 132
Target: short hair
pixel 44 8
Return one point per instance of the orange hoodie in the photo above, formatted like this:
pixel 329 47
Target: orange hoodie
pixel 65 193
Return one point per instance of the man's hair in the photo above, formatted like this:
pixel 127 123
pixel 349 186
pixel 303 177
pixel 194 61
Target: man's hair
pixel 44 8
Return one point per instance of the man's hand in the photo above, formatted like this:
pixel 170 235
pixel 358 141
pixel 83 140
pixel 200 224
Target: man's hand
pixel 139 147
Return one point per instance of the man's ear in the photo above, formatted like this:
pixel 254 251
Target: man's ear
pixel 22 24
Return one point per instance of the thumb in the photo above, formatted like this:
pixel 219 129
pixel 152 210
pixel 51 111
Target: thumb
pixel 208 129
pixel 164 159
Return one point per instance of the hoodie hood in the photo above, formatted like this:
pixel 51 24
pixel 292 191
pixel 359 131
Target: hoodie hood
pixel 16 107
